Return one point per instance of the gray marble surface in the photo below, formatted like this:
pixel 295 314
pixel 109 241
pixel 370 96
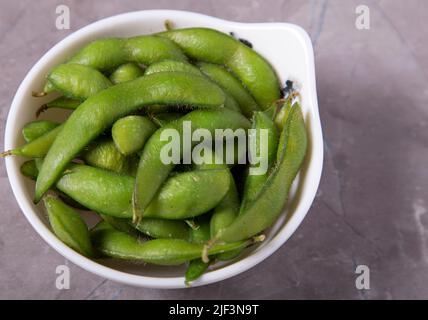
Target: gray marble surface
pixel 372 203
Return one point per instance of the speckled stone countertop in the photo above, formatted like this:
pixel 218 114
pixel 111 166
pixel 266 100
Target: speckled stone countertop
pixel 371 207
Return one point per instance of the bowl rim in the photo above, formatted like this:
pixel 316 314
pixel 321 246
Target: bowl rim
pixel 167 282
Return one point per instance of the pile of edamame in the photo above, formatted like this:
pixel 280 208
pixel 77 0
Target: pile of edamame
pixel 123 94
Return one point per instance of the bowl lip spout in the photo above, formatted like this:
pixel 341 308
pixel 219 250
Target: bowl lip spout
pixel 313 170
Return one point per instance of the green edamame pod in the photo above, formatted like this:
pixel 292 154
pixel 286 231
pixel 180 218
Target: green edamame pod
pixel 68 226
pixel 209 45
pixel 60 103
pixel 109 193
pixel 166 252
pixel 37 148
pixel 282 114
pixel 195 270
pixel 189 194
pixel 104 154
pixel 163 229
pixel 174 66
pixel 35 129
pixel 171 66
pixel 78 81
pixel 131 133
pixel 274 194
pixel 107 54
pixel 231 85
pixel 155 228
pixel 99 190
pixel 99 112
pixel 29 169
pixel 103 54
pixel 126 72
pixel 152 171
pixel 265 151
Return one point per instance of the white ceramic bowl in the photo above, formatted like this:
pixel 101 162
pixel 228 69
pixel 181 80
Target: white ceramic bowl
pixel 286 46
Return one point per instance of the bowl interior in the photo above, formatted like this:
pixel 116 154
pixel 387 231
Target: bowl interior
pixel 285 46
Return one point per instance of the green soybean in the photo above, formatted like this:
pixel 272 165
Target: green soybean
pixel 68 226
pixel 104 154
pixel 77 81
pixel 212 46
pixel 152 171
pixel 274 194
pixel 171 66
pixel 167 252
pixel 29 169
pixel 131 133
pixel 110 193
pixel 231 85
pixel 126 72
pixel 99 112
pixel 106 54
pixel 163 229
pixel 174 66
pixel 100 190
pixel 195 270
pixel 36 148
pixel 263 150
pixel 189 194
pixel 60 103
pixel 35 129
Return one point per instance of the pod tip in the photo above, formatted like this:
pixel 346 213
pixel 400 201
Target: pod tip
pixel 6 153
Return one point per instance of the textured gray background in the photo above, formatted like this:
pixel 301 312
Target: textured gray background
pixel 371 207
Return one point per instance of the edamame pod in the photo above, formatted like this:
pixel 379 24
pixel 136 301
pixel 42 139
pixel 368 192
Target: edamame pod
pixel 174 66
pixel 166 252
pixel 104 154
pixel 209 45
pixel 68 226
pixel 36 129
pixel 231 85
pixel 99 112
pixel 189 194
pixel 126 72
pixel 163 229
pixel 264 128
pixel 102 191
pixel 155 228
pixel 36 148
pixel 60 103
pixel 106 54
pixel 29 169
pixel 131 133
pixel 109 193
pixel 195 270
pixel 152 171
pixel 77 81
pixel 266 208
